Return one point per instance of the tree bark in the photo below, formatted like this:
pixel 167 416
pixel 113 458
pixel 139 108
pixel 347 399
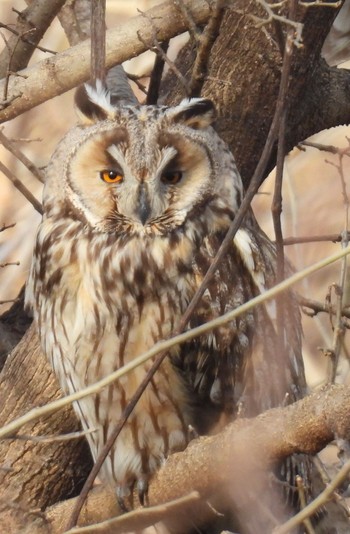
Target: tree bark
pixel 232 466
pixel 31 25
pixel 35 475
pixel 245 68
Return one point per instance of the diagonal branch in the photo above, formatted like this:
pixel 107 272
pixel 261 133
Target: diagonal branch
pixel 12 147
pixel 21 188
pixel 36 18
pixel 72 67
pixel 248 448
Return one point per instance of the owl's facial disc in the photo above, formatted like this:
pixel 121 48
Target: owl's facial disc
pixel 140 178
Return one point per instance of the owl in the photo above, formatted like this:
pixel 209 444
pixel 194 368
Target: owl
pixel 137 201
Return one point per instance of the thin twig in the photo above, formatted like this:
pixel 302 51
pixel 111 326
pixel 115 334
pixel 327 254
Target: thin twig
pixel 21 188
pixel 318 307
pixel 22 37
pixel 192 27
pixel 276 207
pixel 339 328
pixel 334 238
pixel 136 79
pixel 272 16
pixel 9 263
pixel 317 503
pixel 156 76
pixel 326 479
pixel 9 145
pixel 98 39
pixel 140 519
pixel 52 439
pixel 10 301
pixel 7 226
pixel 302 499
pixel 205 43
pixel 157 47
pixel 321 3
pixel 325 148
pixel 7 74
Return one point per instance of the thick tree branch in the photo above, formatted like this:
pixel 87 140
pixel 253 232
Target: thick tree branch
pixel 245 71
pixel 25 379
pixel 235 461
pixel 72 67
pixel 31 25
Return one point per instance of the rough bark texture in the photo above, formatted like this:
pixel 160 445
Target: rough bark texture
pixel 35 475
pixel 66 70
pixel 242 454
pixel 245 68
pixel 31 25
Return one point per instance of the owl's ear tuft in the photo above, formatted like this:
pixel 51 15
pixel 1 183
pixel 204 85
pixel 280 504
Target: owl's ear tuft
pixel 93 103
pixel 197 113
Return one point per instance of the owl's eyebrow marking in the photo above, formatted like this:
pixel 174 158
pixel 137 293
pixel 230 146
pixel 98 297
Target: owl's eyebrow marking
pixel 117 155
pixel 167 155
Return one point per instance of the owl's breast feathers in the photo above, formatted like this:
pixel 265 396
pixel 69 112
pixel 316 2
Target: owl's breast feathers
pixel 101 299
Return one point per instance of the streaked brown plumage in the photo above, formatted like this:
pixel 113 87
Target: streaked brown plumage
pixel 137 201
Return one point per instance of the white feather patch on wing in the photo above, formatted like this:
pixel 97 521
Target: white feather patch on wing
pixel 100 96
pixel 245 247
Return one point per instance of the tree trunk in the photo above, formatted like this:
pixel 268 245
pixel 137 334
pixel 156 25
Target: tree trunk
pixel 34 475
pixel 244 75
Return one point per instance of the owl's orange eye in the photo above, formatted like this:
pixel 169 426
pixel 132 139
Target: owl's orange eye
pixel 171 177
pixel 111 177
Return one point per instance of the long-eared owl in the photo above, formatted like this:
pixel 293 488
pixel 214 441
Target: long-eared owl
pixel 137 201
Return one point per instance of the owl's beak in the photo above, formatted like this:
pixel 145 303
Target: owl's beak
pixel 143 209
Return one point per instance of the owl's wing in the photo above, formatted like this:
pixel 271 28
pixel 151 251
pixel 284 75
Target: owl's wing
pixel 238 366
pixel 274 373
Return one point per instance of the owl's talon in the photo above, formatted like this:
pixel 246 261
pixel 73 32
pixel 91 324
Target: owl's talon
pixel 142 490
pixel 124 498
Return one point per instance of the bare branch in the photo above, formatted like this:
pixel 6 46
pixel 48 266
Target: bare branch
pixel 205 42
pixel 317 503
pixel 273 17
pixel 142 518
pixel 9 263
pixel 335 238
pixel 35 19
pixel 321 3
pixel 75 20
pixel 10 301
pixel 318 307
pixel 10 145
pixel 156 76
pixel 22 188
pixel 72 67
pixel 326 148
pixel 247 447
pixel 188 19
pixel 276 207
pixel 7 226
pixel 98 39
pixel 339 327
pixel 157 47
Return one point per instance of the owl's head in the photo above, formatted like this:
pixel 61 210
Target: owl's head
pixel 144 168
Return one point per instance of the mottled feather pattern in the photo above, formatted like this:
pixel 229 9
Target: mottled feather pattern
pixel 116 264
